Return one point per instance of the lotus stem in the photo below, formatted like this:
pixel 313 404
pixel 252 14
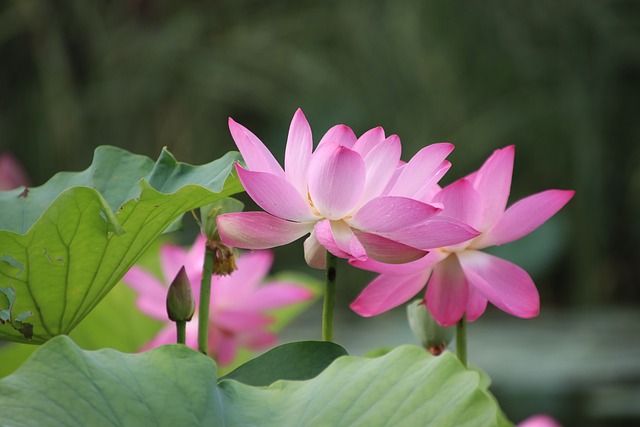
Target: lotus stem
pixel 461 340
pixel 329 298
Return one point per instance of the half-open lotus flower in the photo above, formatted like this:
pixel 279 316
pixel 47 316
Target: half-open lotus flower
pixel 353 195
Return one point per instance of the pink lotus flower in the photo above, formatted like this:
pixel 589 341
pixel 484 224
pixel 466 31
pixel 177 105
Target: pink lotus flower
pixel 461 278
pixel 539 421
pixel 239 302
pixel 12 174
pixel 352 194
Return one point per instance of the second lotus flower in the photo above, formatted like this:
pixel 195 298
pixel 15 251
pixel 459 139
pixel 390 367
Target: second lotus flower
pixel 240 302
pixel 353 195
pixel 460 278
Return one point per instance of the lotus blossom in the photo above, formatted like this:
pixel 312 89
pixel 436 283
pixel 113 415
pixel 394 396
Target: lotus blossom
pixel 240 302
pixel 12 174
pixel 353 195
pixel 540 420
pixel 460 278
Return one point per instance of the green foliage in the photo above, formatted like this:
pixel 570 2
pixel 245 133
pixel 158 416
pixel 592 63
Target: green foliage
pixel 301 360
pixel 173 385
pixel 83 231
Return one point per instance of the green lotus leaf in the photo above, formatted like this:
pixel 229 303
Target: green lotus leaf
pixel 65 244
pixel 60 384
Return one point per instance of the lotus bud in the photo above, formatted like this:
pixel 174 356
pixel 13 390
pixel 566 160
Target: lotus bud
pixel 433 337
pixel 209 213
pixel 180 302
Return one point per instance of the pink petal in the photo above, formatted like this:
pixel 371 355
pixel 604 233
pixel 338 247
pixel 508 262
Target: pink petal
pixel 259 340
pixel 388 291
pixel 298 153
pixel 12 174
pixel 347 241
pixel 323 233
pixel 336 180
pixel 493 182
pixel 391 213
pixel 276 294
pixel 525 216
pixel 430 188
pixel 223 346
pixel 461 201
pixel 151 292
pixel 388 251
pixel 233 289
pixel 504 284
pixel 369 140
pixel 434 233
pixel 377 162
pixel 476 304
pixel 447 292
pixel 314 253
pixel 257 157
pixel 340 135
pixel 259 230
pixel 275 195
pixel 240 320
pixel 417 266
pixel 421 169
pixel 540 420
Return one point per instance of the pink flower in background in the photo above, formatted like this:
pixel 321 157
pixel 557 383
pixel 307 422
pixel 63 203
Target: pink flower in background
pixel 240 302
pixel 461 278
pixel 540 421
pixel 12 174
pixel 352 194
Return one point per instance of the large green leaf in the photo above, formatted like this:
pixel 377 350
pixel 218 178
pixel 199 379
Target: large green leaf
pixel 61 385
pixel 63 249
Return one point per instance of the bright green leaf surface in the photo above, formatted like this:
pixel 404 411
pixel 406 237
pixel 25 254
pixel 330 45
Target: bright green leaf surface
pixel 293 361
pixel 61 385
pixel 75 248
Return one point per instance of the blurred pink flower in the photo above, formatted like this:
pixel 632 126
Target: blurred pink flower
pixel 240 302
pixel 539 421
pixel 12 174
pixel 351 194
pixel 460 277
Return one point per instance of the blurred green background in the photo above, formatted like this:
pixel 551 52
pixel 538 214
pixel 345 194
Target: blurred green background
pixel 560 80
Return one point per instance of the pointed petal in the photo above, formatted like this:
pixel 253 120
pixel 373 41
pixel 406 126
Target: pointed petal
pixel 493 182
pixel 377 162
pixel 387 214
pixel 340 135
pixel 447 292
pixel 298 153
pixel 369 140
pixel 476 304
pixel 347 241
pixel 434 233
pixel 430 188
pixel 388 291
pixel 240 320
pixel 232 290
pixel 275 195
pixel 275 295
pixel 152 294
pixel 525 216
pixel 461 201
pixel 421 169
pixel 386 250
pixel 336 180
pixel 259 230
pixel 257 157
pixel 322 231
pixel 504 284
pixel 314 253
